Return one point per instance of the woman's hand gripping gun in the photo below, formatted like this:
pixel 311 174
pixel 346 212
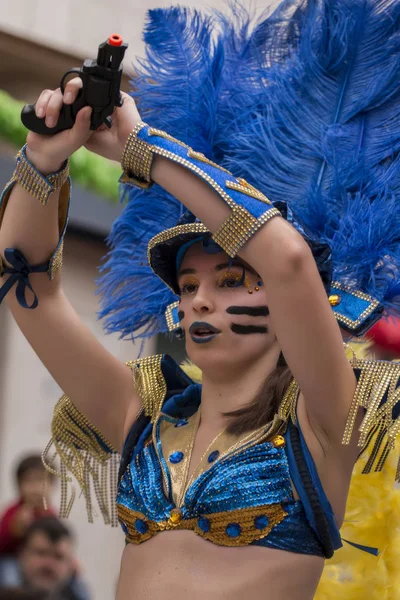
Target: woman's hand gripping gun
pixel 101 82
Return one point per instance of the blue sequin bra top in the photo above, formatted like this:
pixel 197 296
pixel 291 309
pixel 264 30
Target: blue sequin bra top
pixel 239 494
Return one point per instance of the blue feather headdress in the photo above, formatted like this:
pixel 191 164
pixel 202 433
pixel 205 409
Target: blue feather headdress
pixel 304 104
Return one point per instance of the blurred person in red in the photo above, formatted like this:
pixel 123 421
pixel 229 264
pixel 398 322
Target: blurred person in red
pixel 385 337
pixel 46 562
pixel 29 475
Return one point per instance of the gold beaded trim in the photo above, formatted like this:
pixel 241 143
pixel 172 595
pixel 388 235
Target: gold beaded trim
pixel 377 391
pixel 378 381
pixel 219 522
pixel 86 454
pixel 288 405
pixel 171 324
pixel 202 158
pixel 137 159
pixel 191 153
pixel 366 313
pixel 32 181
pixel 149 383
pixel 239 227
pixel 245 188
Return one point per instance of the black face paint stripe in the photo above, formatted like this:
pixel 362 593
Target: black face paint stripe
pixel 247 329
pixel 181 314
pixel 251 311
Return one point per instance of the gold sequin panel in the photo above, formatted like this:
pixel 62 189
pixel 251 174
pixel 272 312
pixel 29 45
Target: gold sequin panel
pixel 234 528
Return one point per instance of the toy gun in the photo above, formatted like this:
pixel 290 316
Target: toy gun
pixel 101 90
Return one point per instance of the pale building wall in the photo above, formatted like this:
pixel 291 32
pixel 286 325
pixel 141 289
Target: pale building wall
pixel 27 396
pixel 78 26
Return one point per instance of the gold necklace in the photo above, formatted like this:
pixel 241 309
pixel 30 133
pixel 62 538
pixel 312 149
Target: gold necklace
pixel 187 483
pixel 251 437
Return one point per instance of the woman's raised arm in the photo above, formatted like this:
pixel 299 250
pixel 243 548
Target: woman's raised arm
pixel 98 384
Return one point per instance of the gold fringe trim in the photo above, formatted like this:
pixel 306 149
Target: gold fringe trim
pixel 85 454
pixel 377 392
pixel 149 383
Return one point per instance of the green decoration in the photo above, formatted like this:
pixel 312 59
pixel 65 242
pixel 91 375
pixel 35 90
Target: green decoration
pixel 90 171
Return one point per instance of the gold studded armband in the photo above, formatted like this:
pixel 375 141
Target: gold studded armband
pixel 40 187
pixel 250 209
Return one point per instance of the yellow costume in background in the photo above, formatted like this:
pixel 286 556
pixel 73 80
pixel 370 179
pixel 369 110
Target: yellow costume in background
pixel 372 519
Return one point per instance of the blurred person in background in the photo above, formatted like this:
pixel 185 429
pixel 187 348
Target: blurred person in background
pixel 29 476
pixel 46 562
pixel 29 506
pixel 385 339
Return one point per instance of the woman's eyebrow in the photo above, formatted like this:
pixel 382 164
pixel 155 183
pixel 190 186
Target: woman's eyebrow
pixel 235 263
pixel 187 272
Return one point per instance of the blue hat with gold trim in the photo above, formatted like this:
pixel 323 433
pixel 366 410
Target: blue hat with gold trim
pixel 304 106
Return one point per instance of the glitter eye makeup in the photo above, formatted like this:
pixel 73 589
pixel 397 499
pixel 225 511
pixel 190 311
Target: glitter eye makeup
pixel 234 279
pixel 189 285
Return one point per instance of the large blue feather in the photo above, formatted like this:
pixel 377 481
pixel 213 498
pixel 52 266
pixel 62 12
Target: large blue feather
pixel 305 104
pixel 176 89
pixel 323 133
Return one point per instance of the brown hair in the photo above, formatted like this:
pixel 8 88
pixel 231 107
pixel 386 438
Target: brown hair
pixel 266 403
pixel 32 462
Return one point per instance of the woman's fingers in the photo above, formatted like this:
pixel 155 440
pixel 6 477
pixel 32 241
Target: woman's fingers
pixel 41 103
pixel 80 132
pixel 54 105
pixel 72 90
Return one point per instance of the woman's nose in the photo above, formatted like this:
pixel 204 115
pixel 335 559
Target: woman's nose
pixel 202 301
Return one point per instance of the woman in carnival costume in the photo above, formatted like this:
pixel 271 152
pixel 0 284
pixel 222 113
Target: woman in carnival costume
pixel 281 141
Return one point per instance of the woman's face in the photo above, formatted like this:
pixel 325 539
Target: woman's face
pixel 223 311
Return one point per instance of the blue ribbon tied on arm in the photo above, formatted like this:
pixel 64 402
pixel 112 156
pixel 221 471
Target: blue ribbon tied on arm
pixel 19 273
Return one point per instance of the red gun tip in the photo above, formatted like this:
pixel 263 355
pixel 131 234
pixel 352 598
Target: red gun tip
pixel 115 40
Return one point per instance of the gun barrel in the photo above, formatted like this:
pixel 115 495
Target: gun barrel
pixel 111 53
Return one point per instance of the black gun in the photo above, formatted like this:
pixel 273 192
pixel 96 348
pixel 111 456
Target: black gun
pixel 101 90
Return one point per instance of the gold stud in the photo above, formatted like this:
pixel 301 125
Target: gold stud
pixel 278 441
pixel 335 299
pixel 250 291
pixel 175 517
pixel 257 289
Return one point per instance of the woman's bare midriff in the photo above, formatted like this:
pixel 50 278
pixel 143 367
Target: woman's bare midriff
pixel 177 565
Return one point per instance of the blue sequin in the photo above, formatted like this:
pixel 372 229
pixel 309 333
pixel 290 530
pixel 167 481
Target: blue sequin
pixel 233 530
pixel 176 457
pixel 213 456
pixel 181 423
pixel 141 526
pixel 204 524
pixel 261 522
pixel 254 476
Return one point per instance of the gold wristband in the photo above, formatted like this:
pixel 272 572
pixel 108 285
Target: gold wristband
pixel 137 159
pixel 39 186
